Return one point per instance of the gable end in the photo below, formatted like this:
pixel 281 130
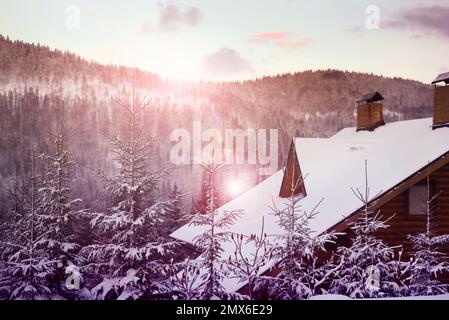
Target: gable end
pixel 292 182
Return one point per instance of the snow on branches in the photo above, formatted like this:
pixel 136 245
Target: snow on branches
pixel 368 267
pixel 29 268
pixel 132 250
pixel 427 261
pixel 210 242
pixel 251 254
pixel 295 253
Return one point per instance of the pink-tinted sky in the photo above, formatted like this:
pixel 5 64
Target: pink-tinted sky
pixel 226 40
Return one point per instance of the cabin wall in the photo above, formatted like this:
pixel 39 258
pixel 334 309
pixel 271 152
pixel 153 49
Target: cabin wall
pixel 402 223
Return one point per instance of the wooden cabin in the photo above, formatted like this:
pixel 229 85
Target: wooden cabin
pixel 399 156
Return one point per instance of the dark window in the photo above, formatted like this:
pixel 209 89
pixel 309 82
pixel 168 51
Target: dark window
pixel 417 198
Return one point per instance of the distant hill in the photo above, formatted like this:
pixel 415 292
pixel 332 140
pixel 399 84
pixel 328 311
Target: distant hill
pixel 326 95
pixel 36 81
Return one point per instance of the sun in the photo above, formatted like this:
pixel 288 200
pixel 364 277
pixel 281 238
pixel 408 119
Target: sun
pixel 235 187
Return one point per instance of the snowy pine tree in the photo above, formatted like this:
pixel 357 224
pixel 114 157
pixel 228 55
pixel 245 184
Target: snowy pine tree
pixel 175 216
pixel 368 268
pixel 212 267
pixel 41 255
pixel 27 268
pixel 295 252
pixel 188 282
pixel 200 204
pixel 132 252
pixel 427 261
pixel 60 211
pixel 248 266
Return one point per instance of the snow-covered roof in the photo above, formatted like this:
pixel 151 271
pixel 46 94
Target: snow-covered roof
pixel 442 77
pixel 332 167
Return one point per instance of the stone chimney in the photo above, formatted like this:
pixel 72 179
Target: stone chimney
pixel 370 112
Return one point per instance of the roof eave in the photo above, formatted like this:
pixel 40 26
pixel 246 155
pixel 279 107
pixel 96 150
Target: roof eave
pixel 386 196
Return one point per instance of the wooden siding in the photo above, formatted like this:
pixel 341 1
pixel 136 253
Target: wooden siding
pixel 402 223
pixel 369 116
pixel 292 182
pixel 441 106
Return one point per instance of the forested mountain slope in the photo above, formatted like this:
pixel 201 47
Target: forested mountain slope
pixel 36 83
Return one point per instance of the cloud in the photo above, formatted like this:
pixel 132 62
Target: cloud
pixel 294 43
pixel 268 36
pixel 421 20
pixel 281 39
pixel 173 16
pixel 225 63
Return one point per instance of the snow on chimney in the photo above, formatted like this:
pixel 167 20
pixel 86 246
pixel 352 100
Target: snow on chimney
pixel 441 101
pixel 370 112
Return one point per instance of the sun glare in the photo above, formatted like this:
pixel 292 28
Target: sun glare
pixel 235 187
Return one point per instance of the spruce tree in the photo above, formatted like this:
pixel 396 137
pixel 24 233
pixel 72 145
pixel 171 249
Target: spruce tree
pixel 295 253
pixel 251 254
pixel 175 216
pixel 132 251
pixel 427 259
pixel 28 269
pixel 60 211
pixel 212 265
pixel 368 268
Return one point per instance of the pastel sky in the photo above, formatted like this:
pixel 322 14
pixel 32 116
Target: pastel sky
pixel 228 40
